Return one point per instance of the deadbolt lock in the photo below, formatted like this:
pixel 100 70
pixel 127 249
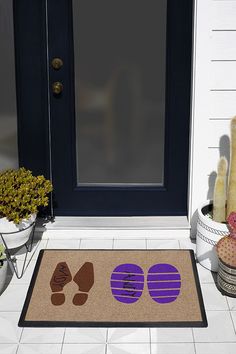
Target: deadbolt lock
pixel 57 63
pixel 57 88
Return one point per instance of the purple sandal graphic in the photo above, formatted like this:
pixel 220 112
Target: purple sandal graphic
pixel 164 283
pixel 127 283
pixel 163 280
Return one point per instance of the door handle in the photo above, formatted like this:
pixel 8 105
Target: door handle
pixel 57 88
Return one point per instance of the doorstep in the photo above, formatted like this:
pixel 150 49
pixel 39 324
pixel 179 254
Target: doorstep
pixel 163 227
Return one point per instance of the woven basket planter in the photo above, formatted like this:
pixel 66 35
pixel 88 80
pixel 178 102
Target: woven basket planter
pixel 226 279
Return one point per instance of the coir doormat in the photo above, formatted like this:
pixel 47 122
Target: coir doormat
pixel 118 288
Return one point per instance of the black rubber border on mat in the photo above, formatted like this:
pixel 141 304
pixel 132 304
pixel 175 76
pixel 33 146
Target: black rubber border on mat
pixel 23 323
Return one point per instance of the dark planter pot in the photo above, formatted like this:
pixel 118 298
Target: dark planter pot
pixel 226 279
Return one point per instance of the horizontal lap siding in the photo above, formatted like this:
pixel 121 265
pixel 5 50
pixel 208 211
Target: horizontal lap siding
pixel 222 47
pixel 222 44
pixel 222 104
pixel 223 14
pixel 223 75
pixel 214 92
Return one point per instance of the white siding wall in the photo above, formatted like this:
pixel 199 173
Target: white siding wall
pixel 214 93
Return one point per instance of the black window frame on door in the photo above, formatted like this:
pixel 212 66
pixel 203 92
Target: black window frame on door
pixel 46 140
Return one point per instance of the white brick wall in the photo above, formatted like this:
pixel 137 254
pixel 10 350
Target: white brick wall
pixel 214 93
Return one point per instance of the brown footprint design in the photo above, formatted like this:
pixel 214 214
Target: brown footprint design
pixel 84 278
pixel 61 276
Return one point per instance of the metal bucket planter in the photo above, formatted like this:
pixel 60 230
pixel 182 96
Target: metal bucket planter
pixel 13 235
pixel 209 232
pixel 226 279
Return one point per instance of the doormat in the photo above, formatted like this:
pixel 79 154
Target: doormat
pixel 118 288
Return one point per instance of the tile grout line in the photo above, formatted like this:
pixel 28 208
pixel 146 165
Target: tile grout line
pixel 194 343
pixel 218 310
pixel 179 244
pixel 18 345
pixel 19 342
pixel 150 341
pixel 63 339
pixel 115 343
pixel 106 341
pixel 228 303
pixel 232 322
pixel 118 343
pixel 98 343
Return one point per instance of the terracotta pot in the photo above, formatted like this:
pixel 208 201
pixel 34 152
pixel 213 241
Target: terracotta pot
pixel 16 235
pixel 209 232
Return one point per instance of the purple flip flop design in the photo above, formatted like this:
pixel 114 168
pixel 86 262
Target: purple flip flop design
pixel 127 283
pixel 164 283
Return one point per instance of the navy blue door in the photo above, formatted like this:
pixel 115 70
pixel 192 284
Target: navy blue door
pixel 103 87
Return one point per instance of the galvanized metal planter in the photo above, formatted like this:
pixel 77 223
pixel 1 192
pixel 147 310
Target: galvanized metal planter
pixel 226 279
pixel 15 235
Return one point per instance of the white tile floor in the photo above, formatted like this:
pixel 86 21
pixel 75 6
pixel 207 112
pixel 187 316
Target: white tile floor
pixel 218 338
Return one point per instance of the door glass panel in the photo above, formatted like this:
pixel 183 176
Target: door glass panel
pixel 120 70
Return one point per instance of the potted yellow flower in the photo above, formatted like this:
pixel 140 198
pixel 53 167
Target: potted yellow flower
pixel 21 195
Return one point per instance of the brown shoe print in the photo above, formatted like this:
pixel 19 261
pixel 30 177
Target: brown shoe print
pixel 84 278
pixel 61 276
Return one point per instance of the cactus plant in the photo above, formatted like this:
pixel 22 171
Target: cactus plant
pixel 211 225
pixel 226 246
pixel 219 198
pixel 221 189
pixel 231 199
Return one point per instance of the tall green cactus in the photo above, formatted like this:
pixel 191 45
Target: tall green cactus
pixel 219 197
pixel 220 189
pixel 231 198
